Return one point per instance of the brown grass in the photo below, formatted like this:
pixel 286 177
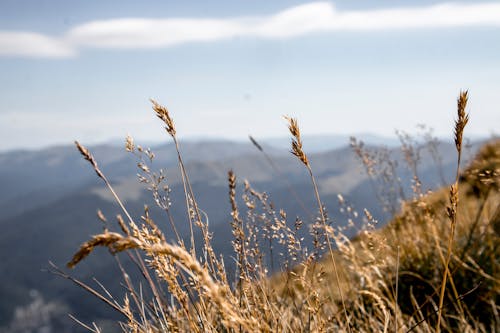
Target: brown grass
pixel 460 123
pixel 431 268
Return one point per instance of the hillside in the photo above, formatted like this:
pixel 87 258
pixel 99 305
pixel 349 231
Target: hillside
pixel 403 261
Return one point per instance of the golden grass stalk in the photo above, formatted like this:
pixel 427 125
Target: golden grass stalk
pixel 191 203
pixel 462 119
pixel 238 233
pixel 297 150
pixel 162 113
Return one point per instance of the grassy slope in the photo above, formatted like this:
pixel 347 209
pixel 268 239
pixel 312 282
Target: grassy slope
pixel 419 236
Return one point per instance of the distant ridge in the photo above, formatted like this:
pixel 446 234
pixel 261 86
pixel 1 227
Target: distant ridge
pixel 312 143
pixel 321 143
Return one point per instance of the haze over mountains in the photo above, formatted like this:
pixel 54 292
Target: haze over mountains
pixel 49 198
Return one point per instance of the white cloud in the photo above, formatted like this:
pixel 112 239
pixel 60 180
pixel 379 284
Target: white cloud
pixel 28 44
pixel 150 33
pixel 437 16
pixel 315 17
pixel 296 21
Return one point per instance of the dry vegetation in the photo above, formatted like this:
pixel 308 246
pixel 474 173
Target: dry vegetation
pixel 434 268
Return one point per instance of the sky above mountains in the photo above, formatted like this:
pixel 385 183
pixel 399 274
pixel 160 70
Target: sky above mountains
pixel 86 69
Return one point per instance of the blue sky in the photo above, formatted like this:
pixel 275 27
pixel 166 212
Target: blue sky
pixel 86 69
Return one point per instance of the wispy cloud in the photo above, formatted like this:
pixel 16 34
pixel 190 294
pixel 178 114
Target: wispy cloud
pixel 316 17
pixel 29 44
pixel 148 33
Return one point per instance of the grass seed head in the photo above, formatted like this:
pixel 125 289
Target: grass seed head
pixel 162 113
pixel 88 156
pixel 255 143
pixel 462 119
pixel 129 144
pixel 297 150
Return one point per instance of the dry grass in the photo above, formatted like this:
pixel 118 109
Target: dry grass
pixel 432 268
pixel 460 123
